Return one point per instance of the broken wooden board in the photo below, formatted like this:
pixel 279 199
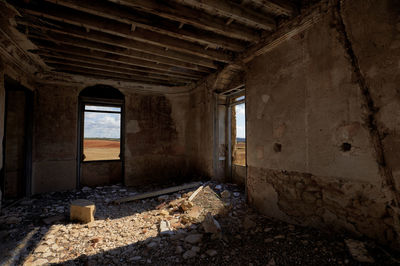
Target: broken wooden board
pixel 195 193
pixel 158 192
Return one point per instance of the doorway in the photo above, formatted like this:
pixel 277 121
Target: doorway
pixel 18 129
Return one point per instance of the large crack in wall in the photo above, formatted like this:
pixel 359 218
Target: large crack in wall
pixel 370 110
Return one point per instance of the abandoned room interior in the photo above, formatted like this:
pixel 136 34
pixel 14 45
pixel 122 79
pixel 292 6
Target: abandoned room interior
pixel 192 132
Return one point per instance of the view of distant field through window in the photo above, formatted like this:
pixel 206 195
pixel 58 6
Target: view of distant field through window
pixel 102 133
pixel 239 152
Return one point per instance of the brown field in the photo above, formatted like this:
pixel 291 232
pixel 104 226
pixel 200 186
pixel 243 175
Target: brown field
pixel 97 149
pixel 239 154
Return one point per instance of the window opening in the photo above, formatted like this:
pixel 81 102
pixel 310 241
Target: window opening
pixel 101 132
pixel 239 132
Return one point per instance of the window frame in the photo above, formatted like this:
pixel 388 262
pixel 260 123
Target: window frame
pixel 83 101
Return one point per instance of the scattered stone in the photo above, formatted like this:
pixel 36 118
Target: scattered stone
pixel 179 250
pixel 165 228
pixel 53 219
pixel 271 262
pixel 163 198
pixel 248 223
pixel 82 210
pixel 152 244
pixel 136 258
pixel 218 187
pixel 189 254
pixel 196 249
pixel 225 194
pixel 194 212
pixel 210 225
pixel 194 238
pixel 86 189
pixel 40 262
pixel 266 230
pixel 358 251
pixel 211 252
pixel 268 240
pixel 186 205
pixel 236 194
pixel 13 220
pixel 164 212
pixel 279 237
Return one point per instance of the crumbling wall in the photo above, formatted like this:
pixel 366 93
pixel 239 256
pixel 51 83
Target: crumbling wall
pixel 200 132
pixel 312 154
pixel 155 138
pixel 2 113
pixel 55 138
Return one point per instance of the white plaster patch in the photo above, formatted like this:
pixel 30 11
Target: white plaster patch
pixel 265 98
pixel 133 126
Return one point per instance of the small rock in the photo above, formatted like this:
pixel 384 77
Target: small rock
pixel 152 244
pixel 279 237
pixel 225 194
pixel 163 198
pixel 136 258
pixel 271 262
pixel 186 205
pixel 13 220
pixel 196 249
pixel 211 252
pixel 218 187
pixel 164 212
pixel 358 251
pixel 236 194
pixel 41 249
pixel 40 262
pixel 248 223
pixel 211 225
pixel 268 240
pixel 165 228
pixel 194 238
pixel 194 212
pixel 53 219
pixel 189 254
pixel 266 230
pixel 179 250
pixel 86 189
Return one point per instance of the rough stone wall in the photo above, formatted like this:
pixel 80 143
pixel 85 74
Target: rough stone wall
pixel 200 132
pixel 155 138
pixel 55 138
pixel 312 154
pixel 2 112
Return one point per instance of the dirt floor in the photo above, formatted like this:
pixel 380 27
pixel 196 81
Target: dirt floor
pixel 95 149
pixel 167 230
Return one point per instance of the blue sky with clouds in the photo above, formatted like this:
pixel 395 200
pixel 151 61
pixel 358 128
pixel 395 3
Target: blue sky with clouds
pixel 240 121
pixel 102 125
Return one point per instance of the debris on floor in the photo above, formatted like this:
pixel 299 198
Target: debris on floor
pixel 208 224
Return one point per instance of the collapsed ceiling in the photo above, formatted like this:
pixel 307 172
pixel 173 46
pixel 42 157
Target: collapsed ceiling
pixel 168 43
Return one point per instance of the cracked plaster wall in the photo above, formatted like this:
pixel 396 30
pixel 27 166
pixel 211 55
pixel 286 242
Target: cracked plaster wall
pixel 305 98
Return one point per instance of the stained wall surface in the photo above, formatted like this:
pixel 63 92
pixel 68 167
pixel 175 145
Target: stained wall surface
pixel 155 138
pixel 312 158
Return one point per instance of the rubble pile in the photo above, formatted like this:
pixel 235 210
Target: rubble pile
pixel 210 225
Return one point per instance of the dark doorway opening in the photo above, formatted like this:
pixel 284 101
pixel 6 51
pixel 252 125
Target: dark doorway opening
pixel 16 175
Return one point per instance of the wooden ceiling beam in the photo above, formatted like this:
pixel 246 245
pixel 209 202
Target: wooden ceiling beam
pixel 234 11
pixel 118 77
pixel 56 62
pixel 156 24
pixel 82 43
pixel 92 35
pixel 134 69
pixel 124 30
pixel 187 15
pixel 277 7
pixel 113 57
